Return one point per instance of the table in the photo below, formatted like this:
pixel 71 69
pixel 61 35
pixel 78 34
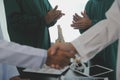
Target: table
pixel 68 74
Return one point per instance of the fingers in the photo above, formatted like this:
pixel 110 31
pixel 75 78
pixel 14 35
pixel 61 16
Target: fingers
pixel 57 61
pixel 62 46
pixel 53 15
pixel 78 25
pixel 55 8
pixel 53 50
pixel 57 11
pixel 60 59
pixel 76 21
pixel 65 54
pixel 57 14
pixel 76 17
pixel 84 14
pixel 81 23
pixel 59 55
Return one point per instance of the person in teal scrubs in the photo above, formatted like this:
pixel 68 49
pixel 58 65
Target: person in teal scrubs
pixel 95 12
pixel 29 21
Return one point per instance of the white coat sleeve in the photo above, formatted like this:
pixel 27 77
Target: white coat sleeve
pixel 99 36
pixel 8 71
pixel 22 56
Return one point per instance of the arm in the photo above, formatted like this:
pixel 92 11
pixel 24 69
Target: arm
pixel 96 38
pixel 22 56
pixel 25 56
pixel 93 14
pixel 100 36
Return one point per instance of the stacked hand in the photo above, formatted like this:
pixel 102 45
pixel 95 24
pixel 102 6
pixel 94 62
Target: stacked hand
pixel 81 22
pixel 53 15
pixel 59 55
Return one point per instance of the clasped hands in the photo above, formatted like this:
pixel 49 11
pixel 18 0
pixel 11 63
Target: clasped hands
pixel 59 55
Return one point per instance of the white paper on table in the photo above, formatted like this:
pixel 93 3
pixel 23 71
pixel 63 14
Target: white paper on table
pixel 47 70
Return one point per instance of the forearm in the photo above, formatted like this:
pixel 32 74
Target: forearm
pixel 22 56
pixel 91 42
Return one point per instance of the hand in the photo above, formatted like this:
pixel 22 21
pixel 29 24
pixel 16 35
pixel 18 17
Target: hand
pixel 53 15
pixel 81 22
pixel 17 78
pixel 68 47
pixel 60 59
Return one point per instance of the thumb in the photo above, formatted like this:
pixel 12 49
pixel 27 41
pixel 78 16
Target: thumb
pixel 55 7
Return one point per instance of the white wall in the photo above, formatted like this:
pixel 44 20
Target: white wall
pixel 69 7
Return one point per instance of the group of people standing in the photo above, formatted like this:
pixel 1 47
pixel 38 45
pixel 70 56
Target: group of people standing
pixel 28 23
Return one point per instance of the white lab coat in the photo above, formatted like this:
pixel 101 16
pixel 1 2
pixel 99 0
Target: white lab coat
pixel 15 54
pixel 101 35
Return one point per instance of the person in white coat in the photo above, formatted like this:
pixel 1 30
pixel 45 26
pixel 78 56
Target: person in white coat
pixel 96 38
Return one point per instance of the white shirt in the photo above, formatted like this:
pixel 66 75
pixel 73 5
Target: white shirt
pixel 100 36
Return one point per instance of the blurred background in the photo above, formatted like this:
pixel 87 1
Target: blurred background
pixel 69 7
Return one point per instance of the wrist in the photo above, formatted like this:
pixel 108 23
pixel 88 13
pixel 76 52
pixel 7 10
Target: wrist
pixel 71 48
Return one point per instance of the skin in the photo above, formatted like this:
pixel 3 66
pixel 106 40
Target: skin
pixel 59 59
pixel 81 22
pixel 60 55
pixel 53 15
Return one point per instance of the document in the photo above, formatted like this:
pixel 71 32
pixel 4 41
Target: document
pixel 47 70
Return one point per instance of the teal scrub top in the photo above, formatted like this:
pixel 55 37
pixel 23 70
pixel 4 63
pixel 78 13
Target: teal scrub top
pixel 95 10
pixel 26 24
